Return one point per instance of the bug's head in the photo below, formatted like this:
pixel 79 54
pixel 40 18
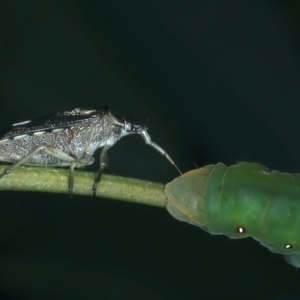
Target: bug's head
pixel 131 128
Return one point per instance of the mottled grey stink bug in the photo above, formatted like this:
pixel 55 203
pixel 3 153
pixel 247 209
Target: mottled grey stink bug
pixel 68 138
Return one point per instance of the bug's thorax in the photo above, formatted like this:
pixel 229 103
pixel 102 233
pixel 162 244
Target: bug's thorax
pixel 105 131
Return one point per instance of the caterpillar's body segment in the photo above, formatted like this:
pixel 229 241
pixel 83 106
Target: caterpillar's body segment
pixel 240 201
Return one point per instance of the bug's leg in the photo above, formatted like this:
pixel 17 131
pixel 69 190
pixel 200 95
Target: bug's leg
pixel 81 162
pixel 48 149
pixel 148 141
pixel 71 179
pixel 103 166
pixel 65 157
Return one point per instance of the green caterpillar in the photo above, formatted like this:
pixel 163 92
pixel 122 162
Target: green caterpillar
pixel 242 200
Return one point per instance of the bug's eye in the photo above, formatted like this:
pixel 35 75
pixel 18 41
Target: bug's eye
pixel 128 126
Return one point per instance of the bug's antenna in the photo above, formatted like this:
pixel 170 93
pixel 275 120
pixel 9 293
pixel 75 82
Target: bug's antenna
pixel 143 132
pixel 194 164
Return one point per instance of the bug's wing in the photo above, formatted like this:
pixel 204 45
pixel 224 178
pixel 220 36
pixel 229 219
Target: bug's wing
pixel 58 120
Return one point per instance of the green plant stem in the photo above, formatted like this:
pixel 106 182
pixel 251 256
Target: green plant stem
pixel 55 180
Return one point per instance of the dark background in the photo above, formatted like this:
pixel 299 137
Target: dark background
pixel 213 80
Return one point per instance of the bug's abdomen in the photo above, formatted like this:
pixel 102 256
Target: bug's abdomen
pixel 73 142
pixel 239 201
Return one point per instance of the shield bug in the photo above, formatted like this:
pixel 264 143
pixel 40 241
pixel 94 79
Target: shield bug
pixel 68 138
